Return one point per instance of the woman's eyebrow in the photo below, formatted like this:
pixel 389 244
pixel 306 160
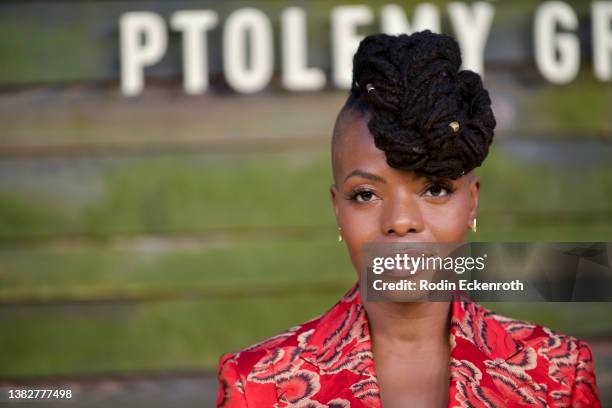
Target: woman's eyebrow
pixel 365 174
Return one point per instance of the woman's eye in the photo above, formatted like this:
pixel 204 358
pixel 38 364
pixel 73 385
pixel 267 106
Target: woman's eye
pixel 437 191
pixel 364 196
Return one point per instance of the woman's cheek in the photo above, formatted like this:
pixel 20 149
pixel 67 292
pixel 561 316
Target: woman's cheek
pixel 449 225
pixel 358 227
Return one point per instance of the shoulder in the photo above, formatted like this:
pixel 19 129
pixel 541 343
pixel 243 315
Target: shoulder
pixel 253 368
pixel 502 336
pixel 248 357
pixel 538 336
pixel 289 361
pixel 284 348
pixel 563 359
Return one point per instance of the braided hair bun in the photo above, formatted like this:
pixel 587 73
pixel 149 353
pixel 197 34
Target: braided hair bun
pixel 426 114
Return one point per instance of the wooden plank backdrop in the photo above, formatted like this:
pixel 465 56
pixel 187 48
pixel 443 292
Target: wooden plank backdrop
pixel 151 234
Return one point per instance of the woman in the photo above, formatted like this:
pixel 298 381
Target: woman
pixel 403 152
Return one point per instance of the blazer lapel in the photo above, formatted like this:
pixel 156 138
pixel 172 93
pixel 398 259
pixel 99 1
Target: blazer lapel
pixel 479 346
pixel 340 348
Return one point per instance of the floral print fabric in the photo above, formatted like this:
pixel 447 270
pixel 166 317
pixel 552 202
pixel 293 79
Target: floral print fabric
pixel 495 361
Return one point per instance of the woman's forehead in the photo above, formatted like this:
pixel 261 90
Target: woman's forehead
pixel 354 146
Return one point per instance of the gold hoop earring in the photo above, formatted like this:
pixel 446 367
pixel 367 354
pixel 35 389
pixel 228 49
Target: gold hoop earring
pixel 339 234
pixel 474 225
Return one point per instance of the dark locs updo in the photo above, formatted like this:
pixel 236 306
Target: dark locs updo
pixel 426 114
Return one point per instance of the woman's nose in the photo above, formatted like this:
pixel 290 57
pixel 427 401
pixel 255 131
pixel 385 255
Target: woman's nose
pixel 402 216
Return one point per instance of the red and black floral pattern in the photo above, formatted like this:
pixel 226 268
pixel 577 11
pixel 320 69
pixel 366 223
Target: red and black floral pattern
pixel 328 362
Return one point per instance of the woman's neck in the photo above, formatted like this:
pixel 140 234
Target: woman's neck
pixel 409 323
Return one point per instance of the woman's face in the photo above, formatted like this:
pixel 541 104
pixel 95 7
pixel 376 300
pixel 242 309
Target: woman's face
pixel 374 202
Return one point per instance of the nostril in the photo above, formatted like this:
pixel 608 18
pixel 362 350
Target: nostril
pixel 411 230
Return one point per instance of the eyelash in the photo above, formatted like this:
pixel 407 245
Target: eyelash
pixel 446 186
pixel 355 193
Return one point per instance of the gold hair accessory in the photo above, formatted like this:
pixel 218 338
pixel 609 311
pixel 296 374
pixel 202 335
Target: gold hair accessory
pixel 339 235
pixel 455 126
pixel 370 88
pixel 473 226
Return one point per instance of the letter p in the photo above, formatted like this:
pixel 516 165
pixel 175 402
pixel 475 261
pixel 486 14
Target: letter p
pixel 143 42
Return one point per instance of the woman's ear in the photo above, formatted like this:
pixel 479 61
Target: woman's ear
pixel 474 196
pixel 333 190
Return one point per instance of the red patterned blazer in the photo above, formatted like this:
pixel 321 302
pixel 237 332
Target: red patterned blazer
pixel 495 361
